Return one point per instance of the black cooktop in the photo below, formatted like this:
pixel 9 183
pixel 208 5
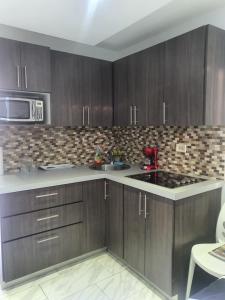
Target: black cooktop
pixel 166 179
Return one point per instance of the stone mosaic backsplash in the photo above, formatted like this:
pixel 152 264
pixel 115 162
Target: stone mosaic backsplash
pixel 205 146
pixel 52 145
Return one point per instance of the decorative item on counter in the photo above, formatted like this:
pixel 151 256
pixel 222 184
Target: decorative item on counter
pixel 117 155
pixel 151 158
pixel 98 156
pixel 27 165
pixel 1 162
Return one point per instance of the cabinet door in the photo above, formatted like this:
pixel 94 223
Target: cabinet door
pixel 215 79
pixel 10 72
pixel 138 86
pixel 184 78
pixel 159 242
pixel 99 74
pixel 134 230
pixel 35 64
pixel 121 99
pixel 155 84
pixel 94 215
pixel 115 219
pixel 66 100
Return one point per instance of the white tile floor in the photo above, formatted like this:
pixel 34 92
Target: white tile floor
pixel 98 278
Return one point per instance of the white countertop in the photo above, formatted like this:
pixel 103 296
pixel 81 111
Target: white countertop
pixel 40 179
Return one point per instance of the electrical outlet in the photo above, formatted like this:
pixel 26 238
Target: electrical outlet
pixel 181 147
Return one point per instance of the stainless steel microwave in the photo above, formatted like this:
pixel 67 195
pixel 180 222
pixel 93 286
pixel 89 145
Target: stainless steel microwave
pixel 26 110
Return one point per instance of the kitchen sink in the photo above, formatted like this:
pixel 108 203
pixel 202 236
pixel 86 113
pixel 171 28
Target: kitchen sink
pixel 110 167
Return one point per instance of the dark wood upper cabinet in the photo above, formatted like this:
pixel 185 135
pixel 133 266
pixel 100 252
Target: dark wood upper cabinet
pixel 82 89
pixel 115 218
pixel 195 78
pixel 146 84
pixel 155 84
pixel 184 78
pixel 138 87
pixel 24 66
pixel 215 77
pixel 10 70
pixel 122 104
pixel 94 215
pixel 35 64
pixel 100 92
pixel 66 97
pixel 179 82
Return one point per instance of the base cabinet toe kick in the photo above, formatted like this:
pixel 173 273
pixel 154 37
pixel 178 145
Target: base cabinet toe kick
pixel 151 234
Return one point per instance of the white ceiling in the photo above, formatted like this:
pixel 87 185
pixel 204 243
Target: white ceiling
pixel 83 21
pixel 110 24
pixel 173 14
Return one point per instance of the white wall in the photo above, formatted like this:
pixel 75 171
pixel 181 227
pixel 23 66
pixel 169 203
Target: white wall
pixel 216 18
pixel 56 43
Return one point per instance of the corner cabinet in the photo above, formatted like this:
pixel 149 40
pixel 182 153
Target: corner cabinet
pixel 24 67
pixel 81 90
pixel 178 82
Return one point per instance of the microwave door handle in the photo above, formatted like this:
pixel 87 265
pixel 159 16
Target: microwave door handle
pixel 32 111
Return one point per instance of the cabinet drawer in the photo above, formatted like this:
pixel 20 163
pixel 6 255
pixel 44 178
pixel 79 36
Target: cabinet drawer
pixel 27 255
pixel 26 201
pixel 30 223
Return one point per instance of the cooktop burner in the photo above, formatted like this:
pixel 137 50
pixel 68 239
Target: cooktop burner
pixel 166 179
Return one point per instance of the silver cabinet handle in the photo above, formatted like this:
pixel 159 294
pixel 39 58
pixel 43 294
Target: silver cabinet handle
pixel 47 218
pixel 164 112
pixel 140 211
pixel 131 115
pixel 105 190
pixel 25 75
pixel 46 195
pixel 88 115
pixel 18 75
pixel 145 209
pixel 48 239
pixel 83 115
pixel 135 115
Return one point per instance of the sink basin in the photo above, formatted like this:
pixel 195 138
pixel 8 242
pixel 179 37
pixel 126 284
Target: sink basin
pixel 109 167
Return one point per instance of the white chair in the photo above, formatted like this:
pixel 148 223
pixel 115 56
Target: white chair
pixel 200 255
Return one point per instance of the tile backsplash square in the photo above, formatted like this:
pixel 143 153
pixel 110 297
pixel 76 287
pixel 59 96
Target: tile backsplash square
pixel 46 144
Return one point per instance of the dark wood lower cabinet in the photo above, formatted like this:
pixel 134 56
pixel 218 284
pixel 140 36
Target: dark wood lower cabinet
pixel 159 241
pixel 114 222
pixel 27 255
pixel 194 223
pixel 94 215
pixel 152 234
pixel 159 234
pixel 30 223
pixel 134 230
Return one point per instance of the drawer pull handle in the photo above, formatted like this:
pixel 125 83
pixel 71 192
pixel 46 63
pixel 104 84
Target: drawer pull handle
pixel 48 239
pixel 46 218
pixel 46 195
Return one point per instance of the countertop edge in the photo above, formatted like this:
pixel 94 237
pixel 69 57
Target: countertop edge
pixel 172 194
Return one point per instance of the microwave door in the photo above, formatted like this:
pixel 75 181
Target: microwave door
pixel 16 110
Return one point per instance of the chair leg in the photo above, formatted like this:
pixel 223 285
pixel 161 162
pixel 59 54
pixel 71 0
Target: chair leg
pixel 190 277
